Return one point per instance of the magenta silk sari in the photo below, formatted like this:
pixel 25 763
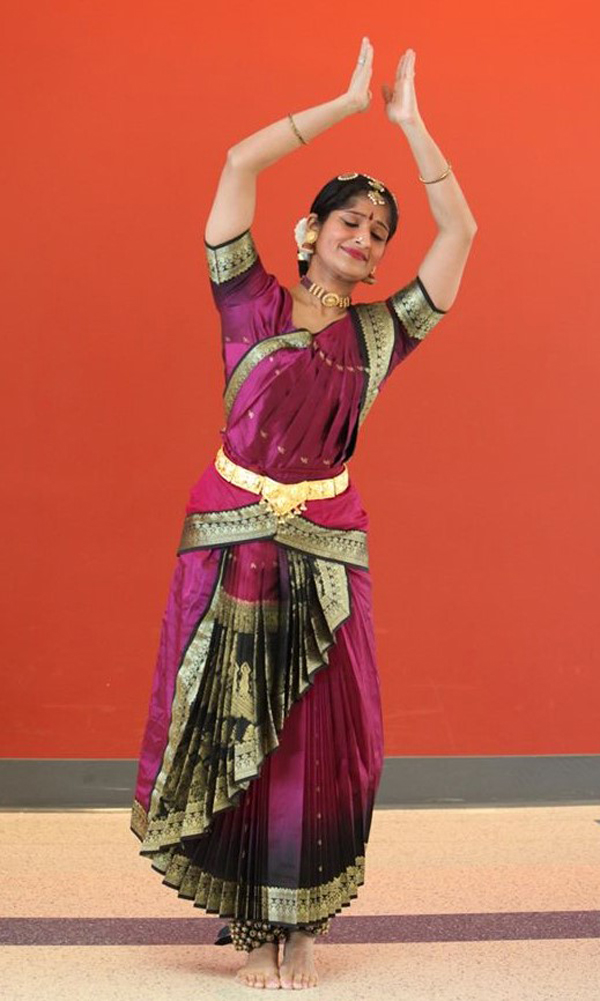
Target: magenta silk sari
pixel 263 747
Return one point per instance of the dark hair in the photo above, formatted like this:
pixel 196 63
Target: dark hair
pixel 337 194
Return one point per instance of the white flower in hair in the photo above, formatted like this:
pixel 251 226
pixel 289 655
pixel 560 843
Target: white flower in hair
pixel 301 231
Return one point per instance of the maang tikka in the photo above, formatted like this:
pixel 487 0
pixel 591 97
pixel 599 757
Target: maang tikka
pixel 378 187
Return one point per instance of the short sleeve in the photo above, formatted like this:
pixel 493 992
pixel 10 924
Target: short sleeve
pixel 414 316
pixel 248 298
pixel 235 269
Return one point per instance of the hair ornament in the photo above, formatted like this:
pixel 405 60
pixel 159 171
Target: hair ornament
pixel 300 230
pixel 300 236
pixel 377 186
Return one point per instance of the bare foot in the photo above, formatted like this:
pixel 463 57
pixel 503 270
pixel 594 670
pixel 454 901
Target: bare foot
pixel 297 968
pixel 261 968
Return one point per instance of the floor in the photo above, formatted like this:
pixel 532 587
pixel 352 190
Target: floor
pixel 472 904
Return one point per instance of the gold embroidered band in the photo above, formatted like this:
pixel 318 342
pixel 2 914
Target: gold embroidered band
pixel 283 499
pixel 378 334
pixel 289 905
pixel 205 529
pixel 228 260
pixel 414 311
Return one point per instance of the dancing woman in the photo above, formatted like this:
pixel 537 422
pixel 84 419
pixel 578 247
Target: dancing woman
pixel 263 747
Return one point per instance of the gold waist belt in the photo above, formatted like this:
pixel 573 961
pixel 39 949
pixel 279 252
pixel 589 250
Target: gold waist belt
pixel 284 499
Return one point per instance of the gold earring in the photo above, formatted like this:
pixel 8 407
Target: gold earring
pixel 370 279
pixel 310 238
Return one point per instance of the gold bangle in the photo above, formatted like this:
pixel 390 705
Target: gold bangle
pixel 295 128
pixel 440 178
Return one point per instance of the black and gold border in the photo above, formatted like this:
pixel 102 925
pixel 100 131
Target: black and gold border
pixel 277 903
pixel 413 307
pixel 323 605
pixel 207 529
pixel 204 529
pixel 378 334
pixel 189 676
pixel 230 259
pixel 344 545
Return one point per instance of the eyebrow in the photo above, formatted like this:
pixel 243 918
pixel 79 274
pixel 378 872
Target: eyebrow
pixel 364 216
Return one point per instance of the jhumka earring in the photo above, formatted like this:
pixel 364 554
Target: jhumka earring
pixel 370 279
pixel 305 249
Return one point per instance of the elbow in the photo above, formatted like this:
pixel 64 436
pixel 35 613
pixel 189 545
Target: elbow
pixel 235 160
pixel 232 158
pixel 463 232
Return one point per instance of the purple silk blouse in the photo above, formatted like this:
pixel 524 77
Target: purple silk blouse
pixel 294 406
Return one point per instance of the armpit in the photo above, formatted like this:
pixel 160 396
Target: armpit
pixel 415 310
pixel 231 259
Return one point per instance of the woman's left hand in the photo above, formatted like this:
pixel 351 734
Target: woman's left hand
pixel 401 101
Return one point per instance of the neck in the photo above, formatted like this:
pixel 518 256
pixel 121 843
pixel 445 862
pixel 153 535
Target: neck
pixel 320 297
pixel 325 296
pixel 330 280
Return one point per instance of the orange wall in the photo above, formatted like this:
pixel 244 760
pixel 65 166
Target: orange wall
pixel 479 465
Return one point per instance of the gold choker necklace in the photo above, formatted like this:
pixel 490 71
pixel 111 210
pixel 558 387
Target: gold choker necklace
pixel 327 298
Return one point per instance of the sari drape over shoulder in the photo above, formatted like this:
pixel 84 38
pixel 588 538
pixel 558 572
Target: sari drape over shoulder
pixel 263 747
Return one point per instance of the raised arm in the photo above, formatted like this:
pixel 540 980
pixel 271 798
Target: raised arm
pixel 442 267
pixel 233 209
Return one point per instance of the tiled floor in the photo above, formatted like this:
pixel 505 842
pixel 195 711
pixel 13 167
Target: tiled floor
pixel 458 905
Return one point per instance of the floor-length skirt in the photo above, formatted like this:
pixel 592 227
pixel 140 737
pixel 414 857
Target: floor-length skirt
pixel 263 747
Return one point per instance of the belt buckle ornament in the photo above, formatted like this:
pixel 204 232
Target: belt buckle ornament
pixel 284 499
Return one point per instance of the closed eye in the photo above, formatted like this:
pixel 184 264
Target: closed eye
pixel 354 225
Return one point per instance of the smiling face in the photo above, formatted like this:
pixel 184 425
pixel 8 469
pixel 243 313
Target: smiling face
pixel 351 241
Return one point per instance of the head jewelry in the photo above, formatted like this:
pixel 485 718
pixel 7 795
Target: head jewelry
pixel 375 195
pixel 378 187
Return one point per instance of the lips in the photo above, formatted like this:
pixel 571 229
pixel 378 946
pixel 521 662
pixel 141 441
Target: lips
pixel 355 253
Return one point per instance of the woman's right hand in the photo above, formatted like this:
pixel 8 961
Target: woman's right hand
pixel 358 94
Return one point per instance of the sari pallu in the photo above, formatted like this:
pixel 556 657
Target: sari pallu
pixel 262 802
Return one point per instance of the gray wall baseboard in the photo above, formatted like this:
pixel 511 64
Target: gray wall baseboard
pixel 420 782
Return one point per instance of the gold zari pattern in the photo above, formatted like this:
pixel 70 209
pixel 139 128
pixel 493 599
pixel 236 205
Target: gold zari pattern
pixel 242 614
pixel 414 311
pixel 205 769
pixel 189 676
pixel 379 336
pixel 276 903
pixel 204 529
pixel 231 259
